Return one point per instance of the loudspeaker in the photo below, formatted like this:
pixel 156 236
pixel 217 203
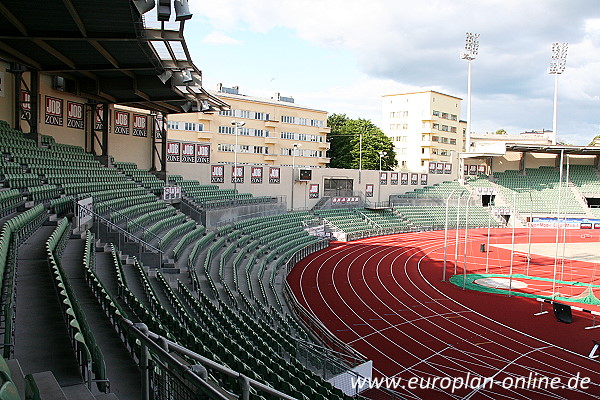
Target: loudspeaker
pixel 143 6
pixel 182 10
pixel 164 10
pixel 563 313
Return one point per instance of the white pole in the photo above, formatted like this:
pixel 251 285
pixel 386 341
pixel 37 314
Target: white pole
pixel 294 149
pixel 446 236
pixel 562 267
pixel 457 229
pixel 466 241
pixel 487 249
pixel 557 224
pixel 360 158
pixel 529 239
pixel 555 116
pixel 512 249
pixel 468 133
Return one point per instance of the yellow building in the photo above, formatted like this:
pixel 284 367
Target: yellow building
pixel 275 131
pixel 425 127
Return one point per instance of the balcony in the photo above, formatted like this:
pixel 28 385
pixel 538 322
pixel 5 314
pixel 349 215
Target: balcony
pixel 271 140
pixel 324 129
pixel 270 157
pixel 205 135
pixel 324 145
pixel 271 123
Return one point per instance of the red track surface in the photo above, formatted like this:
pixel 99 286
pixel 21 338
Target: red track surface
pixel 384 296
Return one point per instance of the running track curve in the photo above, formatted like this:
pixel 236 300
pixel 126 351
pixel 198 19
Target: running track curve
pixel 384 297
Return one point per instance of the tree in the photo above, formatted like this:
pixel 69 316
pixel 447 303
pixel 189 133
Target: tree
pixel 500 132
pixel 595 141
pixel 345 144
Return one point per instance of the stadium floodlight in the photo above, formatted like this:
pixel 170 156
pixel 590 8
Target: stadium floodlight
pixel 557 67
pixel 182 10
pixel 163 10
pixel 165 76
pixel 237 126
pixel 143 6
pixel 470 53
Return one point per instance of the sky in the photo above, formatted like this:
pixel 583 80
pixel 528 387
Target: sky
pixel 341 56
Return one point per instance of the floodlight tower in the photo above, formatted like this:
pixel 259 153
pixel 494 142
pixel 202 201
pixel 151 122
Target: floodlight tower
pixel 471 51
pixel 557 67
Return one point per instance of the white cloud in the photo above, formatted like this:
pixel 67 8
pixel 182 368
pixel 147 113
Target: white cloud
pixel 220 38
pixel 416 44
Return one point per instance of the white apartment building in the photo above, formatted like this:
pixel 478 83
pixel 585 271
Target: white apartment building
pixel 425 128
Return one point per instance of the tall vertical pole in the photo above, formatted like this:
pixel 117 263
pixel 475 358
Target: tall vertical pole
pixel 446 236
pixel 529 236
pixel 487 249
pixel 457 230
pixel 360 157
pixel 468 133
pixel 555 110
pixel 557 67
pixel 466 241
pixel 471 51
pixel 557 224
pixel 235 159
pixel 512 247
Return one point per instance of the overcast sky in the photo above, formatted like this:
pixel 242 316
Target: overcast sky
pixel 341 56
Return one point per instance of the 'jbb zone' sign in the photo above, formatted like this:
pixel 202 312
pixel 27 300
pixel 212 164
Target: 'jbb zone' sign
pixel 121 123
pixel 140 125
pixel 173 151
pixel 188 152
pixel 203 153
pixel 74 115
pixel 54 111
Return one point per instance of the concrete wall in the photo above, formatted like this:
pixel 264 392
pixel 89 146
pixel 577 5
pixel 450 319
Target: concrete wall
pixel 301 200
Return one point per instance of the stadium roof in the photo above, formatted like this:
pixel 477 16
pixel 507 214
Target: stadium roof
pixel 581 150
pixel 106 47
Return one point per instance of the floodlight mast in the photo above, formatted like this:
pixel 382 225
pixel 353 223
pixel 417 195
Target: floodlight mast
pixel 557 67
pixel 470 53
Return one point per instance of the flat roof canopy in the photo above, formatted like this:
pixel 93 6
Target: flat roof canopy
pixel 104 46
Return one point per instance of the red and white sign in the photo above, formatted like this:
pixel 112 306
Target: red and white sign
pixel 25 105
pixel 98 115
pixel 217 174
pixel 448 168
pixel 256 175
pixel 414 179
pixel 203 153
pixel 237 174
pixel 432 166
pixel 159 126
pixel 140 125
pixel 313 191
pixel 173 151
pixel 75 115
pixel 383 178
pixel 54 111
pixel 424 179
pixel 440 168
pixel 369 190
pixel 121 123
pixel 393 178
pixel 404 179
pixel 481 169
pixel 274 175
pixel 188 152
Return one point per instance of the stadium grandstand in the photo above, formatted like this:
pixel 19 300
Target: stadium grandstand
pixel 129 271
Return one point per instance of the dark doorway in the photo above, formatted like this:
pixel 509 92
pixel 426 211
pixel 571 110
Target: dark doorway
pixel 334 187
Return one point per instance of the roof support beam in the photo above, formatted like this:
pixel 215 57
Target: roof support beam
pixel 75 15
pixel 20 57
pixel 12 19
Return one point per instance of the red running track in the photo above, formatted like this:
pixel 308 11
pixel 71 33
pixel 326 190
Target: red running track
pixel 384 296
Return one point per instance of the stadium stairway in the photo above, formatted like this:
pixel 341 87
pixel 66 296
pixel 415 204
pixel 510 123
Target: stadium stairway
pixel 41 342
pixel 122 372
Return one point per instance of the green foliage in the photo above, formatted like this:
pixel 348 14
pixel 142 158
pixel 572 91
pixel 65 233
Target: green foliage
pixel 500 132
pixel 345 144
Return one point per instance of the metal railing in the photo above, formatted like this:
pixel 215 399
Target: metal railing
pixel 142 244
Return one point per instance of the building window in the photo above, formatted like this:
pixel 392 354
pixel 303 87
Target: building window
pixel 403 163
pixel 444 140
pixel 436 126
pixel 226 147
pixel 453 117
pixel 228 130
pixel 452 141
pixel 435 138
pixel 445 128
pixel 445 115
pixel 422 150
pixel 436 113
pixel 424 137
pixel 286 119
pixel 245 114
pixel 444 152
pixel 453 129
